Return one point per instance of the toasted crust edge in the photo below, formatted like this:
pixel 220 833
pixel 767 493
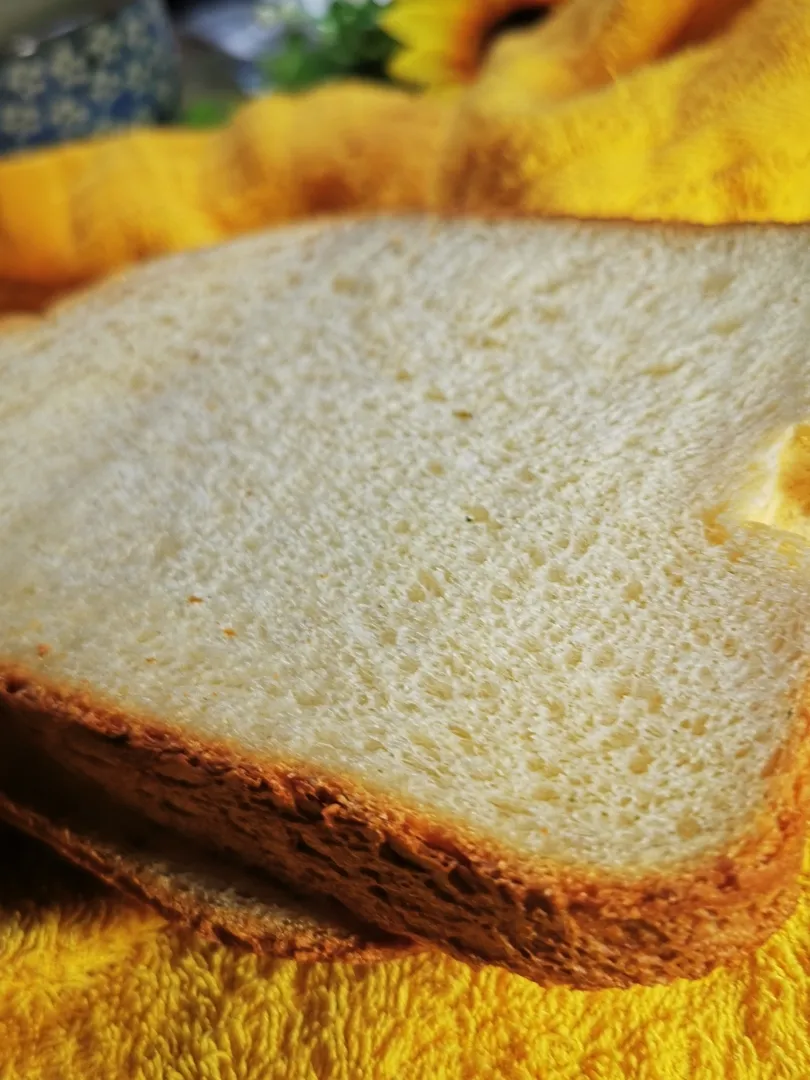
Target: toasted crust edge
pixel 218 897
pixel 413 876
pixel 178 902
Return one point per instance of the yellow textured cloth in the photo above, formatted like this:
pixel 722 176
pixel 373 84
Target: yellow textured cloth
pixel 675 109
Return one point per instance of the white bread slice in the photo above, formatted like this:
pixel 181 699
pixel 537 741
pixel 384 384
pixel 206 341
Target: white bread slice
pixel 214 895
pixel 430 566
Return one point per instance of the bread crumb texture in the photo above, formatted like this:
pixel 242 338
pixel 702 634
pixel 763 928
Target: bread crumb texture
pixel 508 522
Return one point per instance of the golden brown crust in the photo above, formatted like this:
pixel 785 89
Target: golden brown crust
pixel 256 926
pixel 213 895
pixel 411 876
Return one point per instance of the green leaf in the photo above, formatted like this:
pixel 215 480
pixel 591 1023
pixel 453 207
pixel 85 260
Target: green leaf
pixel 349 41
pixel 208 112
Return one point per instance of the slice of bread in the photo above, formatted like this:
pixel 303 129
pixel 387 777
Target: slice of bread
pixel 183 880
pixel 435 567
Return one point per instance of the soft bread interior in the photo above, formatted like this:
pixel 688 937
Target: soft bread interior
pixel 447 509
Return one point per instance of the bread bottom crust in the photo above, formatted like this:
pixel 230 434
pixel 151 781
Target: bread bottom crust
pixel 216 897
pixel 417 878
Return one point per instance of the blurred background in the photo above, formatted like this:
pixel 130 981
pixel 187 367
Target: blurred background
pixel 73 68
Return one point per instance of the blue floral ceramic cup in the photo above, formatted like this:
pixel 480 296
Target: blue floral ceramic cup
pixel 111 65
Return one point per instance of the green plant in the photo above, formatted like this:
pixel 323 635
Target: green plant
pixel 347 41
pixel 209 112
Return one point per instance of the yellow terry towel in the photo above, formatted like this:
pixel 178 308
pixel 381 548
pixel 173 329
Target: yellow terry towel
pixel 679 109
pixel 94 989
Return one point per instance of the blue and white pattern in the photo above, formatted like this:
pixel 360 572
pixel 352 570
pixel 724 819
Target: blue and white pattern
pixel 120 70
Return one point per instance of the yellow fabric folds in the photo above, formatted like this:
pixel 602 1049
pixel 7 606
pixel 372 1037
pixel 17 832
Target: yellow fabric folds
pixel 695 110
